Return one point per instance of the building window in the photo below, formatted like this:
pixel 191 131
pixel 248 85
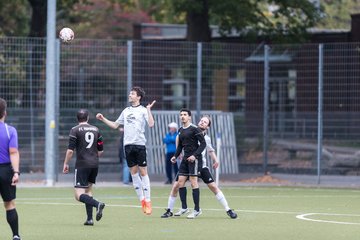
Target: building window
pixel 176 90
pixel 237 89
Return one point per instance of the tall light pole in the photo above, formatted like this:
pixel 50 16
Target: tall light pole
pixel 50 110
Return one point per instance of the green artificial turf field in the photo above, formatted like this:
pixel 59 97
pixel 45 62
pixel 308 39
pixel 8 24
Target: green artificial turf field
pixel 263 213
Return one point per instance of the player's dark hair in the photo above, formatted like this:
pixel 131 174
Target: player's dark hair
pixel 208 117
pixel 139 91
pixel 82 115
pixel 2 107
pixel 186 110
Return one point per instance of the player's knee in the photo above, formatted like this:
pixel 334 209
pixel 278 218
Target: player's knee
pixel 9 205
pixel 77 197
pixel 212 186
pixel 194 184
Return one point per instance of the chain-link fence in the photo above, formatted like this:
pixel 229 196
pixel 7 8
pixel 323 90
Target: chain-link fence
pixel 221 77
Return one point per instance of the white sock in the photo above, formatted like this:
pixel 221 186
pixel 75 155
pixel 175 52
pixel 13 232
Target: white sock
pixel 221 198
pixel 171 202
pixel 146 187
pixel 138 186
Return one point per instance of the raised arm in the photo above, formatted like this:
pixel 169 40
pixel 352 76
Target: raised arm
pixel 151 118
pixel 113 125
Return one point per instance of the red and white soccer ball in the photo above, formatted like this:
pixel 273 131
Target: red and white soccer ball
pixel 66 35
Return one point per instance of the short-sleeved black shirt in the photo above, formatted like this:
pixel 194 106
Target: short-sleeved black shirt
pixel 88 141
pixel 192 141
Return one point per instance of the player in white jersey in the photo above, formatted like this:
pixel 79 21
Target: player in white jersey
pixel 134 119
pixel 205 175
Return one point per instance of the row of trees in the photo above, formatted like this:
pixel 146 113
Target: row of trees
pixel 114 19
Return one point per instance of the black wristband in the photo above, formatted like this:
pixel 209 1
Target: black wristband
pixel 17 172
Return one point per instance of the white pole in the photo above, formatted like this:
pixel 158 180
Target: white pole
pixel 198 80
pixel 218 150
pixel 320 111
pixel 50 121
pixel 129 68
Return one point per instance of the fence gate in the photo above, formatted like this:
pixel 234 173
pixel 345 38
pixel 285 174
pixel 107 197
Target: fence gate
pixel 222 126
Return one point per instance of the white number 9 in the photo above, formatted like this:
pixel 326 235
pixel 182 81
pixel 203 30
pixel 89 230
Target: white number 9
pixel 89 138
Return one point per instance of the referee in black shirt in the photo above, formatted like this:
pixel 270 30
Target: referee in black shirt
pixel 87 141
pixel 191 141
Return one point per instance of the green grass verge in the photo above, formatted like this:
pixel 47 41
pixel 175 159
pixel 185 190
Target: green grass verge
pixel 264 213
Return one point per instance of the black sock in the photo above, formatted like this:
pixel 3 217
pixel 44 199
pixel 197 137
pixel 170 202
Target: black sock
pixel 182 192
pixel 196 198
pixel 84 198
pixel 89 211
pixel 13 220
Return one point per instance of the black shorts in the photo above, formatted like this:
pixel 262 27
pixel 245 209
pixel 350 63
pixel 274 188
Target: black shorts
pixel 206 175
pixel 135 155
pixel 84 176
pixel 7 191
pixel 188 168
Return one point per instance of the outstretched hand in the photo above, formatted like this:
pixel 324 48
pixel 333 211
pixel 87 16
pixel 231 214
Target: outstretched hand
pixel 99 116
pixel 150 105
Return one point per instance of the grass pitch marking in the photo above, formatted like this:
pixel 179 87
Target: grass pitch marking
pixel 307 218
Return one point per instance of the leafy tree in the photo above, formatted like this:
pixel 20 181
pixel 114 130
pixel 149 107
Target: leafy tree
pixel 38 18
pixel 91 18
pixel 279 19
pixel 14 24
pixel 106 19
pixel 286 18
pixel 160 10
pixel 337 13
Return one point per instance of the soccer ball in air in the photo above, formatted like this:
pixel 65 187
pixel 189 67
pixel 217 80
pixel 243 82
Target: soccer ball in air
pixel 66 35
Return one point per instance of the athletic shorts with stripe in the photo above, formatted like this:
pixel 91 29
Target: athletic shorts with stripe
pixel 188 168
pixel 135 155
pixel 204 174
pixel 84 176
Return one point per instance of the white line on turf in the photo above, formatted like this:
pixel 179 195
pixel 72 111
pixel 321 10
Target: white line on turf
pixel 208 196
pixel 307 218
pixel 138 206
pixel 297 214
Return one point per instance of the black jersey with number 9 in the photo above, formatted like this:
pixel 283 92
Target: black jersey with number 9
pixel 87 141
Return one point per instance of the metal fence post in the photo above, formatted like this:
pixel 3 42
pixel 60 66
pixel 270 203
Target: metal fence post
pixel 31 90
pixel 320 112
pixel 57 104
pixel 266 108
pixel 129 67
pixel 50 121
pixel 198 80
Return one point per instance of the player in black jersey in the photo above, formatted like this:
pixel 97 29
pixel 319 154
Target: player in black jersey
pixel 205 175
pixel 87 141
pixel 191 140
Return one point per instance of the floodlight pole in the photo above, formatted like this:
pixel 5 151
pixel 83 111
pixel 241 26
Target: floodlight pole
pixel 320 111
pixel 50 111
pixel 129 68
pixel 266 109
pixel 198 81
